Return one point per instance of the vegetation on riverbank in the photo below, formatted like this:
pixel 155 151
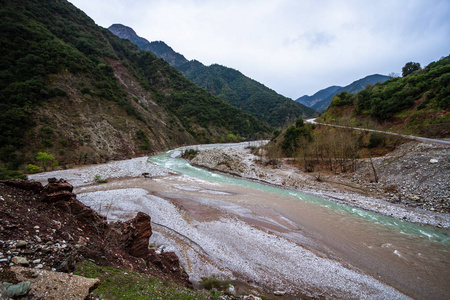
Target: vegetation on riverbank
pixel 323 148
pixel 125 284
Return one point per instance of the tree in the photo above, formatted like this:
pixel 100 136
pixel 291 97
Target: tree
pixel 44 159
pixel 409 68
pixel 393 75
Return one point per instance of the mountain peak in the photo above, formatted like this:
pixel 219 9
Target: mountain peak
pixel 159 48
pixel 128 33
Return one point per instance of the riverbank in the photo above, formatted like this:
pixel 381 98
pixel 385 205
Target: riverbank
pixel 414 180
pixel 264 241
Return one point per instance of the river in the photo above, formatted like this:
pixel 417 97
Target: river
pixel 278 239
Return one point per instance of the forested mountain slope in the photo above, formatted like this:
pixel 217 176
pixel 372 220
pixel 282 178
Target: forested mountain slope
pixel 228 84
pixel 322 99
pixel 73 89
pixel 417 103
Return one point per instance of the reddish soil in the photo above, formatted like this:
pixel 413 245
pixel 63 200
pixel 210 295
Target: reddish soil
pixel 62 233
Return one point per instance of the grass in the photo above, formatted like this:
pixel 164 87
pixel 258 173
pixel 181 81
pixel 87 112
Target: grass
pixel 213 282
pixel 98 179
pixel 124 284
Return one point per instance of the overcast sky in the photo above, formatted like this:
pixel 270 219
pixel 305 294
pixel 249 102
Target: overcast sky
pixel 295 47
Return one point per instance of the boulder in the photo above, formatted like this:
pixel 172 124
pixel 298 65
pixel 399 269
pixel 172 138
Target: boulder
pixel 20 289
pixel 56 285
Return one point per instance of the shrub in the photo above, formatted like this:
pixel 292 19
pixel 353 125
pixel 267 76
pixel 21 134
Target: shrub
pixel 213 282
pixel 6 174
pixel 98 179
pixel 375 139
pixel 32 169
pixel 189 153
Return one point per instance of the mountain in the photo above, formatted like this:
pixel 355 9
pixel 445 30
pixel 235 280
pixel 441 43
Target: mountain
pixel 322 99
pixel 74 90
pixel 160 49
pixel 228 84
pixel 417 104
pixel 319 96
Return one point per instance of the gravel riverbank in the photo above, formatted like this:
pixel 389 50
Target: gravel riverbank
pixel 414 180
pixel 270 243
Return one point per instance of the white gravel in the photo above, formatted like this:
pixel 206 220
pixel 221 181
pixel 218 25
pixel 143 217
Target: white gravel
pixel 115 169
pixel 230 246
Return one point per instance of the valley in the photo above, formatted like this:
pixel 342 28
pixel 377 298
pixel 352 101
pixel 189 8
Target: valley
pixel 166 178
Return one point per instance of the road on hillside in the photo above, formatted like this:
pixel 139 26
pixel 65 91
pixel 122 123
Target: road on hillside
pixel 412 137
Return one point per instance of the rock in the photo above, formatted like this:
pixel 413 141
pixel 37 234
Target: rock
pixel 20 289
pixel 138 232
pixel 279 293
pixel 3 293
pixel 56 285
pixel 21 243
pixel 20 260
pixel 433 161
pixel 231 290
pixel 56 191
pixel 252 297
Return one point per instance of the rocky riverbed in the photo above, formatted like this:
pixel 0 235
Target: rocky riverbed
pixel 414 180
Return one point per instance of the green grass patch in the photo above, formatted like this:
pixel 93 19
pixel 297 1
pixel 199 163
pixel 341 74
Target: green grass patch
pixel 124 284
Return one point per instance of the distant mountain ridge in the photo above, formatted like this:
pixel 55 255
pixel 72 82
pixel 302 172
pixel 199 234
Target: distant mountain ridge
pixel 228 84
pixel 322 99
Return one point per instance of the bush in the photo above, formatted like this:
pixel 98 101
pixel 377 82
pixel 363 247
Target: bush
pixel 144 140
pixel 375 140
pixel 32 169
pixel 6 174
pixel 189 153
pixel 213 282
pixel 98 179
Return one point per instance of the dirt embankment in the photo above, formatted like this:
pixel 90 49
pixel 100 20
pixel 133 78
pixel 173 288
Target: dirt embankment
pixel 413 181
pixel 46 229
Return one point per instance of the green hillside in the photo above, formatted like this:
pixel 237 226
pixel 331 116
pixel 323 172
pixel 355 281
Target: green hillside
pixel 228 84
pixel 73 89
pixel 417 103
pixel 247 94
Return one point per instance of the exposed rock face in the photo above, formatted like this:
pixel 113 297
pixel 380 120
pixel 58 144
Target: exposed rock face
pixel 57 190
pixel 138 231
